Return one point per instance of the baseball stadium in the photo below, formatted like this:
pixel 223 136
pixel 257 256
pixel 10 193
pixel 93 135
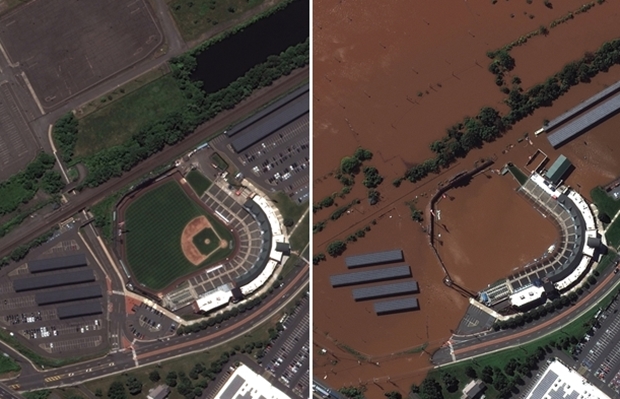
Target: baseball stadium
pixel 208 246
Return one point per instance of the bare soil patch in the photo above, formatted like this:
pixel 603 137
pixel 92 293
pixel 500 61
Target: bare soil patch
pixel 190 251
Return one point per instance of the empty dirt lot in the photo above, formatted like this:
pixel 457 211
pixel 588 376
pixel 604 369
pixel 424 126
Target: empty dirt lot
pixel 66 46
pixel 17 145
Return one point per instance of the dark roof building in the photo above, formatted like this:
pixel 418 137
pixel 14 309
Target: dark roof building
pixel 68 295
pixel 66 262
pixel 53 280
pixel 370 275
pixel 584 121
pixel 396 305
pixel 374 258
pixel 262 128
pixel 283 247
pixel 80 309
pixel 558 169
pixel 379 291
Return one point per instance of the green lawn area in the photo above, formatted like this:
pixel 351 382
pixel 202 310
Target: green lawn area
pixel 8 365
pixel 198 181
pixel 604 202
pixel 301 236
pixel 613 234
pixel 517 173
pixel 288 208
pixel 194 18
pixel 153 243
pixel 219 162
pixel 114 124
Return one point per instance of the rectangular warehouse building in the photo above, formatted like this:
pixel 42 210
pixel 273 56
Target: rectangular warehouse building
pixel 67 295
pixel 396 305
pixel 584 121
pixel 379 291
pixel 79 310
pixel 558 169
pixel 274 121
pixel 374 258
pixel 66 262
pixel 53 280
pixel 370 275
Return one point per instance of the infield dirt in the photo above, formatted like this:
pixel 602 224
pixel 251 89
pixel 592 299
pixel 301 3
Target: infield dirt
pixel 392 78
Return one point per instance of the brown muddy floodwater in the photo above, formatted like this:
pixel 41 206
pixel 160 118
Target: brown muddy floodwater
pixel 391 77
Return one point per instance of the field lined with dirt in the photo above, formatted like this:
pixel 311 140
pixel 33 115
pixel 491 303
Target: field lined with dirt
pixel 153 244
pixel 392 78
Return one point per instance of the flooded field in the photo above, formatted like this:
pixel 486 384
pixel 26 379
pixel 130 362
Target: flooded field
pixel 392 78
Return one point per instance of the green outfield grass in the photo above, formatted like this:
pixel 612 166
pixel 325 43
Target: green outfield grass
pixel 154 224
pixel 198 181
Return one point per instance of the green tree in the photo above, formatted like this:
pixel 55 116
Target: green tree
pixel 471 372
pixel 352 392
pixel 393 395
pixel 117 391
pixel 363 154
pixel 154 376
pixel 134 385
pixel 336 248
pixel 349 165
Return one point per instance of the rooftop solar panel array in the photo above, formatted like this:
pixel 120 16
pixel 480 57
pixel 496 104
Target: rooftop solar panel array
pixel 543 385
pixel 67 295
pixel 266 126
pixel 582 106
pixel 407 287
pixel 66 262
pixel 374 258
pixel 370 275
pixel 396 305
pixel 79 310
pixel 581 123
pixel 53 280
pixel 265 112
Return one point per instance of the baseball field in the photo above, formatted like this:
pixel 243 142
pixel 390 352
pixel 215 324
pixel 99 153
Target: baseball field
pixel 167 236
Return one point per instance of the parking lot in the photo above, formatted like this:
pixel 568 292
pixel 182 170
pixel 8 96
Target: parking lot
pixel 149 323
pixel 287 359
pixel 38 325
pixel 598 354
pixel 280 162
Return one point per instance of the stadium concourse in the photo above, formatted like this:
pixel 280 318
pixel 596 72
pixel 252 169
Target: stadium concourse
pixel 259 226
pixel 560 269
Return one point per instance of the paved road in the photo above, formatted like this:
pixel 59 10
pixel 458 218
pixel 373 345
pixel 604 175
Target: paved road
pixel 8 393
pixel 91 196
pixel 154 352
pixel 472 347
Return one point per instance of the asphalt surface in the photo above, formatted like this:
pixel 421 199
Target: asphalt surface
pixel 145 353
pixel 465 348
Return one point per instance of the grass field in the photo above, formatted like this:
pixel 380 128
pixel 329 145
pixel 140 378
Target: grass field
pixel 198 181
pixel 154 243
pixel 288 208
pixel 114 124
pixel 203 247
pixel 301 236
pixel 613 234
pixel 8 365
pixel 121 91
pixel 604 202
pixel 219 162
pixel 197 17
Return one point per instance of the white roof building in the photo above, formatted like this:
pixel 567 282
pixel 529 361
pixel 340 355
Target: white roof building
pixel 246 384
pixel 561 382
